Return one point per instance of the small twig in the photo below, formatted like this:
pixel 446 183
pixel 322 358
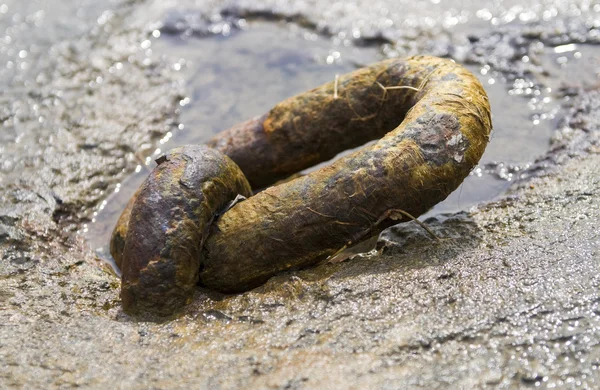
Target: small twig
pixel 333 256
pixel 423 225
pixel 321 214
pixel 330 216
pixel 385 216
pixel 335 86
pixel 385 89
pixel 425 80
pixel 403 87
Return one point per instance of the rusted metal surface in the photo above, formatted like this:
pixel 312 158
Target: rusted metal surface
pixel 316 125
pixel 412 168
pixel 434 118
pixel 168 225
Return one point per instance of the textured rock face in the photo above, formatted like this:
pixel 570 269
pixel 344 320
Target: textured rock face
pixel 510 297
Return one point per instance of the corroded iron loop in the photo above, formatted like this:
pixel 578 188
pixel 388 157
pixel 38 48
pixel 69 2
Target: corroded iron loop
pixel 433 118
pixel 168 225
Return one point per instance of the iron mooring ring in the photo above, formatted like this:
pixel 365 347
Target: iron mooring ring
pixel 433 120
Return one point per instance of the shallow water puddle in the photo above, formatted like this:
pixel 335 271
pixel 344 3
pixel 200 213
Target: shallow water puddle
pixel 243 73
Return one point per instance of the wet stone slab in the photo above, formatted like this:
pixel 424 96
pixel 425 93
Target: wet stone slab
pixel 509 297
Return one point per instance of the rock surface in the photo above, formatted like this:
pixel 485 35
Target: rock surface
pixel 509 297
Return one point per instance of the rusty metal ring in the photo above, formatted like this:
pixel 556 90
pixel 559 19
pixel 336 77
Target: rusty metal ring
pixel 159 248
pixel 434 119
